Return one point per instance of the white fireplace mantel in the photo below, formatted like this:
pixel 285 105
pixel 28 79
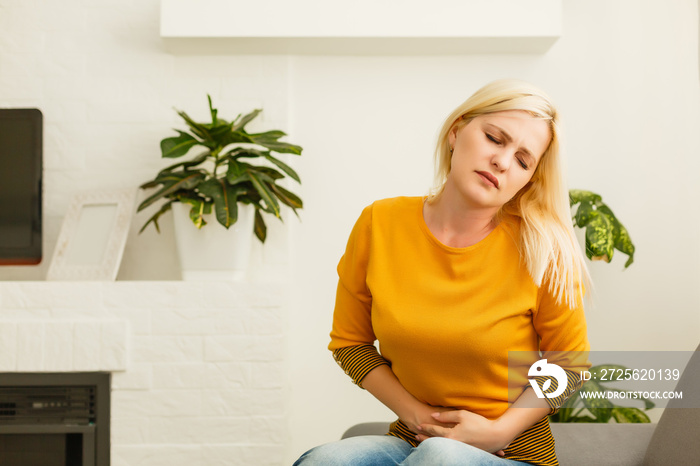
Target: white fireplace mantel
pixel 360 27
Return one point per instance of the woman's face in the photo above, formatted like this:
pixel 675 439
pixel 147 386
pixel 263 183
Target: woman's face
pixel 495 156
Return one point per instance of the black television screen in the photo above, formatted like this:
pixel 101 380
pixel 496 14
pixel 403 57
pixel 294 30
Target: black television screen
pixel 21 132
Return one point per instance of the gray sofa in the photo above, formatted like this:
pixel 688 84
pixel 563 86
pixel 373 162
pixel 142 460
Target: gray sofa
pixel 674 440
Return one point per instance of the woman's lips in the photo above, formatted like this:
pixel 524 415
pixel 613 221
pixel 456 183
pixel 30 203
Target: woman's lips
pixel 489 178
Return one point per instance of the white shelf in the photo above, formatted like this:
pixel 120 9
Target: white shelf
pixel 360 27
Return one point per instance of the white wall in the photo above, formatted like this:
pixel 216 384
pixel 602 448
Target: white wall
pixel 625 75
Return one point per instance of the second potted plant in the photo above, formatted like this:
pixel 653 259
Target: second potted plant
pixel 224 177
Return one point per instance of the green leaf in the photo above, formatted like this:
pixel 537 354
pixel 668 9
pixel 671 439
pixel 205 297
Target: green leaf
pixel 199 209
pixel 289 198
pixel 584 214
pixel 600 408
pixel 572 402
pixel 152 183
pixel 209 188
pixel 271 203
pixel 236 137
pixel 237 173
pixel 281 147
pixel 284 167
pixel 177 146
pixel 270 173
pixel 579 195
pixel 608 213
pixel 624 245
pixel 220 134
pixel 599 238
pixel 623 242
pixel 246 152
pixel 559 416
pixel 627 415
pixel 225 200
pixel 212 111
pixel 260 228
pixel 163 179
pixel 171 184
pixel 198 129
pixel 270 136
pixel 185 165
pixel 239 125
pixel 566 411
pixel 154 218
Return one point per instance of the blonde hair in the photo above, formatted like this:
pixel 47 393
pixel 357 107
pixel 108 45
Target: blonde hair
pixel 548 244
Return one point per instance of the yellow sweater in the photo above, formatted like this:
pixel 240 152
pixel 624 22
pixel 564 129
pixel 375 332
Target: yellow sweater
pixel 446 317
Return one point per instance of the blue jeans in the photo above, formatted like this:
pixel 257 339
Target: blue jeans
pixel 376 450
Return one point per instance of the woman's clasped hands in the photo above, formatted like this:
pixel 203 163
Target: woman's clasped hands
pixel 467 427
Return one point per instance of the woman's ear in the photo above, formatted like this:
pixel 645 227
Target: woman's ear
pixel 452 137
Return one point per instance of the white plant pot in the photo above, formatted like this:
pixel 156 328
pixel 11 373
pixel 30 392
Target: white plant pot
pixel 213 252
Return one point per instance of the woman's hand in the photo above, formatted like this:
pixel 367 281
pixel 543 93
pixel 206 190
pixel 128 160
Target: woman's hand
pixel 383 384
pixel 424 414
pixel 466 427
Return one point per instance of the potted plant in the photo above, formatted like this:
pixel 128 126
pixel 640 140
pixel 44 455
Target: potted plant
pixel 224 176
pixel 604 234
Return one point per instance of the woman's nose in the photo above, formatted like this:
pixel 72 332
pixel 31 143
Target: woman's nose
pixel 502 159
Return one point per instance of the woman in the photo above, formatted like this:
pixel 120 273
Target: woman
pixel 448 284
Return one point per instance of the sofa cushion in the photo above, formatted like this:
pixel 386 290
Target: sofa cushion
pixel 367 428
pixel 581 444
pixel 675 440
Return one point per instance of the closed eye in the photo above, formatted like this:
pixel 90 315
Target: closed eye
pixel 492 139
pixel 497 141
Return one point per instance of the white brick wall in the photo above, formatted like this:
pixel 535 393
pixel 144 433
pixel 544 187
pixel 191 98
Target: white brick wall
pixel 198 369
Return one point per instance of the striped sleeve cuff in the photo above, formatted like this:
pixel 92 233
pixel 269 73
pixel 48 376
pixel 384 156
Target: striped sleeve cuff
pixel 358 360
pixel 573 384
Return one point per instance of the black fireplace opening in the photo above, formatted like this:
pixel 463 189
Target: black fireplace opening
pixel 54 419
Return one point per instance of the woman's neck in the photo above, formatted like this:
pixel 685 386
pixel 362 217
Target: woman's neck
pixel 455 223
